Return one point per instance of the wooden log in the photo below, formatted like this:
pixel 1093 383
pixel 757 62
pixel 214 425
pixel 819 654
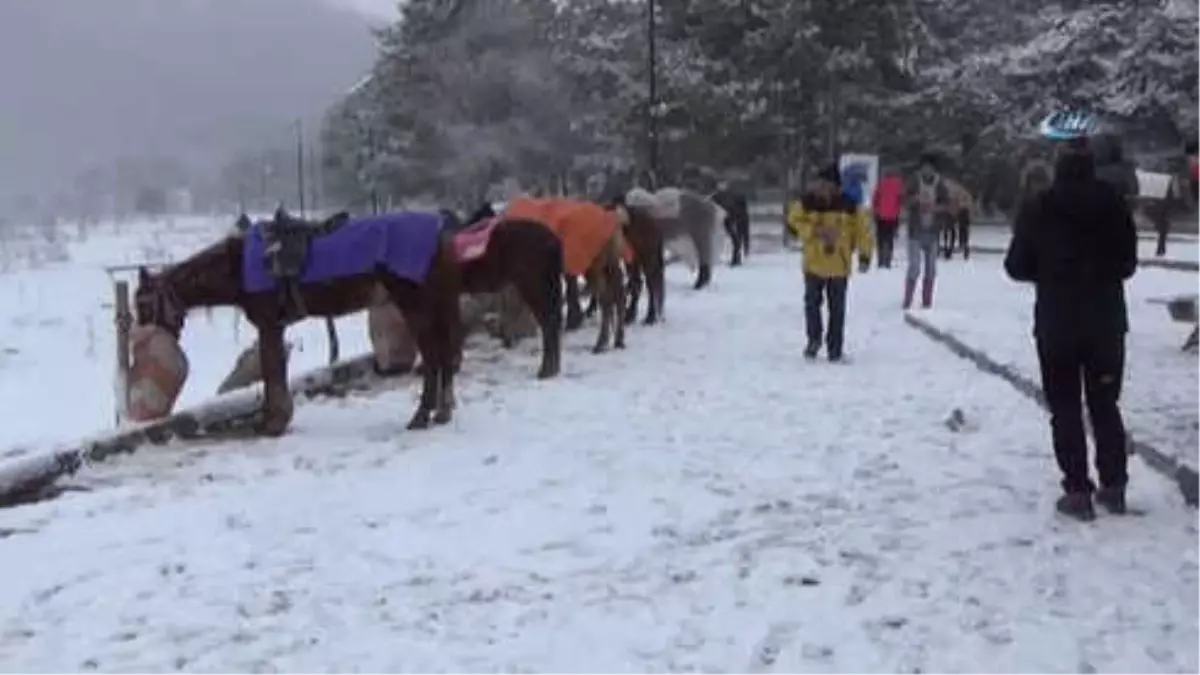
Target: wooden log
pixel 29 476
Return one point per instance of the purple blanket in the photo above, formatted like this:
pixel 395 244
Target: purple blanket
pixel 404 243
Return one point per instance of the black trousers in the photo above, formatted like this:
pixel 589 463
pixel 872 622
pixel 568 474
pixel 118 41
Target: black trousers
pixel 1090 368
pixel 957 234
pixel 885 240
pixel 816 291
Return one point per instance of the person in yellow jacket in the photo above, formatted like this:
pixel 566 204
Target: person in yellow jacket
pixel 832 227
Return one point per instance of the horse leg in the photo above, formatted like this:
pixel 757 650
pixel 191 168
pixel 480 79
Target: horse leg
pixel 543 295
pixel 448 324
pixel 593 303
pixel 731 229
pixel 655 285
pixel 634 291
pixel 596 279
pixel 574 313
pixel 616 297
pixel 277 400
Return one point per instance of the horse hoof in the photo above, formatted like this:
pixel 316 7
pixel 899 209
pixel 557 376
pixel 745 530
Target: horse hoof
pixel 650 320
pixel 545 373
pixel 443 416
pixel 630 318
pixel 599 349
pixel 573 324
pixel 270 430
pixel 420 420
pixel 619 344
pixel 507 343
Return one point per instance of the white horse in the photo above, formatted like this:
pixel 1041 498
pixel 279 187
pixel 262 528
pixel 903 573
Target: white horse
pixel 690 222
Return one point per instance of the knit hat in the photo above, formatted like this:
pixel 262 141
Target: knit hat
pixel 831 174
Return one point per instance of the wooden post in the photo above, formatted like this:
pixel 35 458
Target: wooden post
pixel 124 322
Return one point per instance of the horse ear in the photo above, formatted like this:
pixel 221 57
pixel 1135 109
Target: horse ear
pixel 280 214
pixel 338 219
pixel 143 276
pixel 243 223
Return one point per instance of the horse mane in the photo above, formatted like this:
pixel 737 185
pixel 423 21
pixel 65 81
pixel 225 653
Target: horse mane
pixel 222 257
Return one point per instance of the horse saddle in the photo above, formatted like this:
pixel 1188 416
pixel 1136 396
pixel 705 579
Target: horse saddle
pixel 471 243
pixel 287 243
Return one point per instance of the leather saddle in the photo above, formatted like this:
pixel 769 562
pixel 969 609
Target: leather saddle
pixel 288 241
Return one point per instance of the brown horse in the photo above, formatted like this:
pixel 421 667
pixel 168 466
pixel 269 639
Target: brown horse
pixel 406 253
pixel 494 253
pixel 644 265
pixel 592 246
pixel 646 239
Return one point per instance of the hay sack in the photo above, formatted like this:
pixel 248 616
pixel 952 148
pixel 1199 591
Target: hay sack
pixel 392 344
pixel 157 373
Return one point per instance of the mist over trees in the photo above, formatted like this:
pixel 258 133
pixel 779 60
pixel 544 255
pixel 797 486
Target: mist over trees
pixel 465 94
pixel 108 99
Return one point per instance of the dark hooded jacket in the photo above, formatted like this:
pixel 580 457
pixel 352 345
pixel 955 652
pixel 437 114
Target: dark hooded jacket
pixel 1077 244
pixel 1113 168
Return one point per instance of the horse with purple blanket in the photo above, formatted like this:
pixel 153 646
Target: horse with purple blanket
pixel 339 267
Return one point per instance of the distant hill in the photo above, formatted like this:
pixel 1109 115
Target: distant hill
pixel 85 81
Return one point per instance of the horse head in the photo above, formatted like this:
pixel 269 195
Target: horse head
pixel 156 303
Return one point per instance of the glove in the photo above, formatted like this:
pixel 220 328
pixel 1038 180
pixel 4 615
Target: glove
pixel 864 264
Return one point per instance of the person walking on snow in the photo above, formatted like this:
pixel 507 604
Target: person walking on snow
pixel 929 212
pixel 1076 242
pixel 889 197
pixel 831 228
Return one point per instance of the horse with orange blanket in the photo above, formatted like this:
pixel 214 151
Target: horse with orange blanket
pixel 593 246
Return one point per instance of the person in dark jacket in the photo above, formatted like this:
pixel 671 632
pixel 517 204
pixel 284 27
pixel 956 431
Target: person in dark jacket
pixel 737 220
pixel 1077 244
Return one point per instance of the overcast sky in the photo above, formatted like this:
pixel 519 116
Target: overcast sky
pixel 379 8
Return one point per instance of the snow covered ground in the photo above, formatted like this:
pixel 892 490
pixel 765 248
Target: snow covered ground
pixel 1161 398
pixel 704 500
pixel 58 341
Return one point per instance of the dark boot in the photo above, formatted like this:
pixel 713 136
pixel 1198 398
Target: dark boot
pixel 703 277
pixel 910 287
pixel 1112 499
pixel 927 292
pixel 1077 505
pixel 810 351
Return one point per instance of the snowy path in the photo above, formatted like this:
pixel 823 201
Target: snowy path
pixel 1161 396
pixel 705 500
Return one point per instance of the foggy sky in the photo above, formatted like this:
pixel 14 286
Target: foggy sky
pixel 84 81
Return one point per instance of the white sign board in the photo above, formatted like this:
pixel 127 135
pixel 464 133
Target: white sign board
pixel 868 164
pixel 1153 185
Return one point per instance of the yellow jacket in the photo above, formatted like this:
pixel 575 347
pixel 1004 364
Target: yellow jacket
pixel 817 223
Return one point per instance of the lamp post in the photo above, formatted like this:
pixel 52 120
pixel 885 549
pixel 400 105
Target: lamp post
pixel 652 104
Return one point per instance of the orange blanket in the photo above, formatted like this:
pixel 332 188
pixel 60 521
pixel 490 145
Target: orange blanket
pixel 582 227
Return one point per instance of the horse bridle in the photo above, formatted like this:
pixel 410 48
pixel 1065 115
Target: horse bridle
pixel 165 307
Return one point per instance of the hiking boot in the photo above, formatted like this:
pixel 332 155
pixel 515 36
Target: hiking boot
pixel 835 357
pixel 810 351
pixel 1077 505
pixel 1112 499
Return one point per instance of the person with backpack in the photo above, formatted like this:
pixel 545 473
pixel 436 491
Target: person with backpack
pixel 886 204
pixel 831 228
pixel 1077 244
pixel 930 211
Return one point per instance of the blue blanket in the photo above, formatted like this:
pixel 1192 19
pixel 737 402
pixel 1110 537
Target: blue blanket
pixel 404 243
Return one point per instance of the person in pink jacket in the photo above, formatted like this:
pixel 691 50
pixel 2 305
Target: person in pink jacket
pixel 886 204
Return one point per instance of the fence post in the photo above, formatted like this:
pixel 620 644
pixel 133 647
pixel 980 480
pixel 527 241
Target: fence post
pixel 124 322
